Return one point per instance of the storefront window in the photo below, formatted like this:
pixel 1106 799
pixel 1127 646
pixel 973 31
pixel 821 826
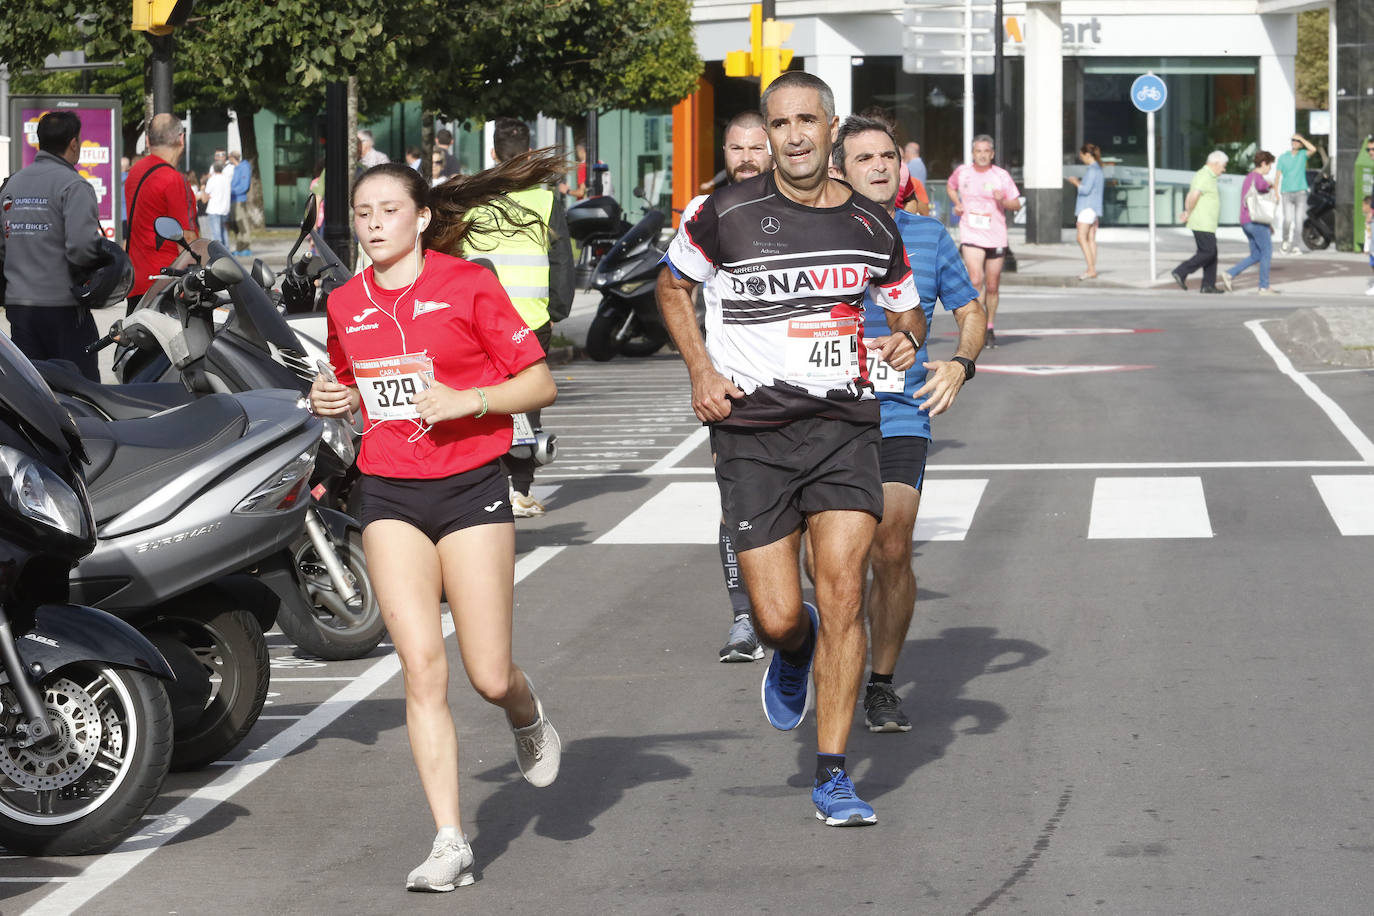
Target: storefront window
pixel 638 148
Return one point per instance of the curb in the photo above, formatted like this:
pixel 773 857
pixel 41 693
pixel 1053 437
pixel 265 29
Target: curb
pixel 1066 282
pixel 561 355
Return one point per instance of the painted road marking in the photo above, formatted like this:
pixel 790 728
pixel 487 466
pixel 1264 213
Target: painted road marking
pixel 103 871
pixel 1148 507
pixel 1350 500
pixel 1072 332
pixel 680 513
pixel 947 509
pixel 1357 439
pixel 1054 369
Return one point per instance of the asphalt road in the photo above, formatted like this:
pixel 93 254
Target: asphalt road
pixel 1138 670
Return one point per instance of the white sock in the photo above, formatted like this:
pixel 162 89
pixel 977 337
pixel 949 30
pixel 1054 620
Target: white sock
pixel 451 834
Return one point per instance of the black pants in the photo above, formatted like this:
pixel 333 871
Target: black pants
pixel 55 332
pixel 521 470
pixel 1205 257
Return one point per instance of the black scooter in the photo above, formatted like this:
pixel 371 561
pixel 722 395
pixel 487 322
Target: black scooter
pixel 628 322
pixel 1319 227
pixel 85 723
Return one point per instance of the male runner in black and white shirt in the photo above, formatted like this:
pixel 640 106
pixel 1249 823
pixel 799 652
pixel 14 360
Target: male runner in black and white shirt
pixel 794 423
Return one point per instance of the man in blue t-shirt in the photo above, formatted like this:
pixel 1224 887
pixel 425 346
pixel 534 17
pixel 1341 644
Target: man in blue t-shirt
pixel 1292 182
pixel 865 154
pixel 239 183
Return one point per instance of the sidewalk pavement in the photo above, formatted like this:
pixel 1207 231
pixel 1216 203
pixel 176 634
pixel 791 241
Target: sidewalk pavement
pixel 1123 262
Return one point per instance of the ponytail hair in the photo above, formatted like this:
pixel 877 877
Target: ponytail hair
pixel 452 203
pixel 1091 149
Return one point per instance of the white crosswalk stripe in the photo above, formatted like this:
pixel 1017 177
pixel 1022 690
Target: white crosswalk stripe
pixel 1350 500
pixel 1149 507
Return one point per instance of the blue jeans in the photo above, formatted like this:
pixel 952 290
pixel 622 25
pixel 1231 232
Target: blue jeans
pixel 218 232
pixel 1261 250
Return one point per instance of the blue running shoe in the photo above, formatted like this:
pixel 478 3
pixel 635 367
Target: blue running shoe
pixel 838 806
pixel 787 688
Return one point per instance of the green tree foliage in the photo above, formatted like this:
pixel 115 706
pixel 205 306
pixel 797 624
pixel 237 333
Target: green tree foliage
pixel 1311 65
pixel 562 57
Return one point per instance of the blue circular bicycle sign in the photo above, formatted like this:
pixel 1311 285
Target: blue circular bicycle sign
pixel 1148 92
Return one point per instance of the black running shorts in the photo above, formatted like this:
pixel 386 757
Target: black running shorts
pixel 440 506
pixel 990 254
pixel 904 460
pixel 772 479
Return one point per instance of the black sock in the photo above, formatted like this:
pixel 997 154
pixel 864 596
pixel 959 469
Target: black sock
pixel 734 585
pixel 876 678
pixel 827 765
pixel 801 655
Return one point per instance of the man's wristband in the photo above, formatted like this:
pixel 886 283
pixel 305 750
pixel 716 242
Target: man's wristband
pixel 969 367
pixel 912 337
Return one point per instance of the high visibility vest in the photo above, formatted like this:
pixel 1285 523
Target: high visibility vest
pixel 521 256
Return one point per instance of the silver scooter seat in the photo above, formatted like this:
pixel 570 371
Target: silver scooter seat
pixel 130 460
pixel 120 402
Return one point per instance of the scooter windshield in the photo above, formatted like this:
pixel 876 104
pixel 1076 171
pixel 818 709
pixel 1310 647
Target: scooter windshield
pixel 255 317
pixel 23 391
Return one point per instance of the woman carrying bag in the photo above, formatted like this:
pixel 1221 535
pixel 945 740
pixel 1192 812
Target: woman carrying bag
pixel 1258 206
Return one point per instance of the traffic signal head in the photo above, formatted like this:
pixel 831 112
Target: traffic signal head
pixel 159 16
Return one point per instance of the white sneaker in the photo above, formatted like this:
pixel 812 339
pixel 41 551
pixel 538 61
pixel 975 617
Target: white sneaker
pixel 538 749
pixel 1369 290
pixel 449 865
pixel 1226 282
pixel 523 506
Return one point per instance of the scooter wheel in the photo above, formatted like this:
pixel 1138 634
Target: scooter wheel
pixel 325 633
pixel 233 655
pixel 601 344
pixel 1313 238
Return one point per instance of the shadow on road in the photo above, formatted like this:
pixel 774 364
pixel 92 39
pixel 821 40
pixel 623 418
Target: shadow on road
pixel 596 775
pixel 933 675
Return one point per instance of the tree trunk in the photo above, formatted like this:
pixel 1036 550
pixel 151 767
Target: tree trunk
pixel 248 140
pixel 352 151
pixel 427 144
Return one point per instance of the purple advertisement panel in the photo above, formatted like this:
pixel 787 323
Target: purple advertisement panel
pixel 98 163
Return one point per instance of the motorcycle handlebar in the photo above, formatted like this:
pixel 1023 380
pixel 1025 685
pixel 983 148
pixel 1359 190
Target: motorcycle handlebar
pixel 105 341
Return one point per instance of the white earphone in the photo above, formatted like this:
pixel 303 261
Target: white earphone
pixel 423 223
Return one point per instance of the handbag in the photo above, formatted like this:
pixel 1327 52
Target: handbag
pixel 1263 207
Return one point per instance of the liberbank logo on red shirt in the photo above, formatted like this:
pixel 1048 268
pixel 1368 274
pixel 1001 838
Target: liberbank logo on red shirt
pixel 790 282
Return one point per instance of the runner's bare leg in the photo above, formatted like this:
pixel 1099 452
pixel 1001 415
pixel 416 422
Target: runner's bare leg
pixel 840 539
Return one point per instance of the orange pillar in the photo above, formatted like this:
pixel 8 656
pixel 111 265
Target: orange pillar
pixel 693 139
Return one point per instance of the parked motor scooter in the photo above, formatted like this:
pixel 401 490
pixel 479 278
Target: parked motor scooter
pixel 336 614
pixel 594 224
pixel 1319 226
pixel 85 724
pixel 628 321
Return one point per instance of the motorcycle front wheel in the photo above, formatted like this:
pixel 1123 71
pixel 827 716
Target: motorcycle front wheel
pixel 327 632
pixel 1313 238
pixel 601 343
pixel 84 789
pixel 232 652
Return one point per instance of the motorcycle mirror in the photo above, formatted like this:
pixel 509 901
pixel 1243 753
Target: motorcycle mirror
pixel 227 270
pixel 262 274
pixel 307 224
pixel 167 229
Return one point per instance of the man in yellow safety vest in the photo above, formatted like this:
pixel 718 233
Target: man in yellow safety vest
pixel 535 265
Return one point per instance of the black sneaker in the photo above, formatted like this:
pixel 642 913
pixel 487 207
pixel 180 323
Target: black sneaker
pixel 991 339
pixel 883 710
pixel 1179 279
pixel 1213 290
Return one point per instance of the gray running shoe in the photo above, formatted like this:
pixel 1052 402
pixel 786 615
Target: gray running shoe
pixel 449 865
pixel 741 645
pixel 883 710
pixel 538 749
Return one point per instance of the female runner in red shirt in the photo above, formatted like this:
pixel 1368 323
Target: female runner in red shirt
pixel 430 348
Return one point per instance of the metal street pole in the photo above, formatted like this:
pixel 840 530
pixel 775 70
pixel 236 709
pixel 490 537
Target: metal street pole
pixel 968 76
pixel 1150 166
pixel 161 72
pixel 997 64
pixel 336 177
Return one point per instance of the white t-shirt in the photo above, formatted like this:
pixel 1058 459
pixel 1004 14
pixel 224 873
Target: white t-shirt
pixel 217 187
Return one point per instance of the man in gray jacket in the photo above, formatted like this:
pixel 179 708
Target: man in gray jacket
pixel 49 241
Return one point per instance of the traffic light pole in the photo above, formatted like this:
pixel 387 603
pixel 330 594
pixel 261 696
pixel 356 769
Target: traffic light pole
pixel 161 72
pixel 336 177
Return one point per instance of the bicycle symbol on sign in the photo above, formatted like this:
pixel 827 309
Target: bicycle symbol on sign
pixel 1148 93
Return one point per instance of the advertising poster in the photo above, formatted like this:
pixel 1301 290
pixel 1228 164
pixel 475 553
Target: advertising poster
pixel 100 146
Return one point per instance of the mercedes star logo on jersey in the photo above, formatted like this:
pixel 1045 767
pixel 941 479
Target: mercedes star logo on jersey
pixel 770 224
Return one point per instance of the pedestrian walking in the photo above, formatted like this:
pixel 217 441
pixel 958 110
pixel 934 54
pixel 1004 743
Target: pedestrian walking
pixel 794 424
pixel 1292 181
pixel 1202 214
pixel 430 348
pixel 866 154
pixel 524 236
pixel 1257 210
pixel 1087 209
pixel 241 180
pixel 218 201
pixel 158 189
pixel 981 195
pixel 1367 205
pixel 368 154
pixel 914 164
pixel 50 242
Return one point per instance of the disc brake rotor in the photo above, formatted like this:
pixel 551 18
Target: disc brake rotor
pixel 64 758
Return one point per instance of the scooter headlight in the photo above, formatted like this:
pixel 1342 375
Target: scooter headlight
pixel 35 492
pixel 283 491
pixel 338 435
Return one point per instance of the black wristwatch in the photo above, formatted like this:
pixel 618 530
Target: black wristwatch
pixel 969 367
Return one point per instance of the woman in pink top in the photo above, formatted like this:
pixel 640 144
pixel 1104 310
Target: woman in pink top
pixel 1258 234
pixel 981 195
